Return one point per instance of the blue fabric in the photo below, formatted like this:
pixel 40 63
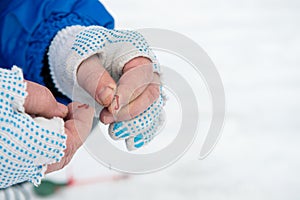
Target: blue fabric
pixel 28 26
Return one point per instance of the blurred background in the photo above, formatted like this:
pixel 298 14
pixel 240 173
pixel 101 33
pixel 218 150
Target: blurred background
pixel 255 46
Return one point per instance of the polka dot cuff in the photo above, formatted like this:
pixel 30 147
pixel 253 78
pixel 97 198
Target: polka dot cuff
pixel 26 145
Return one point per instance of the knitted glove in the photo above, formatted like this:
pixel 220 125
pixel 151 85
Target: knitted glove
pixel 27 145
pixel 72 45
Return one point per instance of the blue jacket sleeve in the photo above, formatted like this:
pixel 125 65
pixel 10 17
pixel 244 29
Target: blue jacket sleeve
pixel 28 26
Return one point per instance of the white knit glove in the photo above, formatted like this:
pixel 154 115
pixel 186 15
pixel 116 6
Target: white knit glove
pixel 27 145
pixel 72 45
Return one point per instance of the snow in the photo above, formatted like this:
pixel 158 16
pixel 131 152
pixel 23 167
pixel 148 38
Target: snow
pixel 255 46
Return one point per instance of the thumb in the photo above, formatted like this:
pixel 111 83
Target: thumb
pixel 79 123
pixel 93 77
pixel 77 128
pixel 41 102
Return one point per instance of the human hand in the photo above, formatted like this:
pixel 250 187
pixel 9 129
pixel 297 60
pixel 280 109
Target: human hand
pixel 33 134
pixel 78 119
pixel 78 124
pixel 138 88
pixel 99 58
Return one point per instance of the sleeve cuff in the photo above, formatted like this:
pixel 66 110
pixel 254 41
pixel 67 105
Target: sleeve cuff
pixel 40 41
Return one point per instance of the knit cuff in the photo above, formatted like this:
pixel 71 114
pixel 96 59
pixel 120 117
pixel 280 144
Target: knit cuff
pixel 40 41
pixel 27 145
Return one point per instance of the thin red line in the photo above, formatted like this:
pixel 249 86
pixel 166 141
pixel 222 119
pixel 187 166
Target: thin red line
pixel 73 182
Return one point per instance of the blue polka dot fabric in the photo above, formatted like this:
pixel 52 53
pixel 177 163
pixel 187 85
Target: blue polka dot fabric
pixel 140 130
pixel 26 147
pixel 116 47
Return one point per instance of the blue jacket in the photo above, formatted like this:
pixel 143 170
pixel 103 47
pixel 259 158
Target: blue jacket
pixel 28 26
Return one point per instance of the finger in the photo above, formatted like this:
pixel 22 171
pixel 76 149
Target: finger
pixel 138 61
pixel 77 128
pixel 41 102
pixel 106 117
pixel 133 63
pixel 79 122
pixel 132 84
pixel 135 107
pixel 140 104
pixel 93 77
pixel 141 139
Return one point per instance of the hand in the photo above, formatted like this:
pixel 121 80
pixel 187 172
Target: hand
pixel 78 125
pixel 138 88
pixel 78 118
pixel 100 58
pixel 31 142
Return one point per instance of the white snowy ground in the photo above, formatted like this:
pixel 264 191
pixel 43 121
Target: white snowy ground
pixel 255 46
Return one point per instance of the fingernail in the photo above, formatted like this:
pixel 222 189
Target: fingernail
pixel 62 108
pixel 106 95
